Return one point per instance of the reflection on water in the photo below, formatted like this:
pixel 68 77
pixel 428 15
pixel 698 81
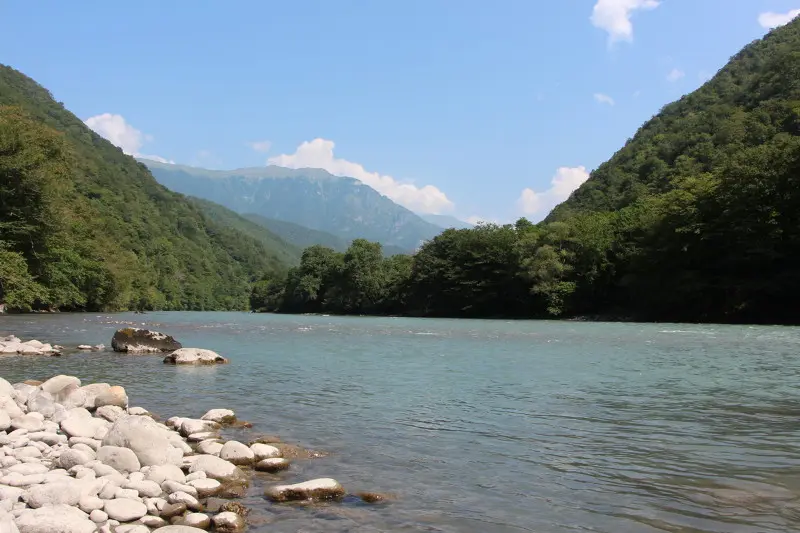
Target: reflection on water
pixel 483 426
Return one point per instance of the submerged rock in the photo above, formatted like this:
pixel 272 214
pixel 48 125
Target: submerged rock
pixel 316 489
pixel 135 340
pixel 194 356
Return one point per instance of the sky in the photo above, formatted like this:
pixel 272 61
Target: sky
pixel 481 110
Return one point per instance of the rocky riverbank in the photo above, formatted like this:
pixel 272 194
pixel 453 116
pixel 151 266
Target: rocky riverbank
pixel 77 458
pixel 12 345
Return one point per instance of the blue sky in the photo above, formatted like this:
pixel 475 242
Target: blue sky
pixel 472 108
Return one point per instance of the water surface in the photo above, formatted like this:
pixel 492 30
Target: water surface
pixel 484 426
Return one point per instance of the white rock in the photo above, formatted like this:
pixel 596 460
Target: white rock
pixel 71 458
pixel 125 510
pixel 191 426
pixel 110 412
pixel 29 468
pixel 6 388
pixel 5 421
pixel 88 504
pixel 316 489
pixel 54 519
pixel 126 494
pixel 178 529
pixel 273 464
pixel 131 528
pixel 80 423
pixel 9 405
pixel 154 505
pixel 210 447
pixel 148 489
pixel 170 486
pixel 52 494
pixel 237 453
pixel 98 516
pixel 113 396
pixel 161 473
pixel 264 451
pixel 148 440
pixel 41 402
pixel 152 521
pixel 91 392
pixel 120 459
pixel 199 520
pixel 10 493
pixel 194 356
pixel 183 497
pixel 138 411
pixel 84 347
pixel 220 416
pixel 27 451
pixel 94 444
pixel 205 435
pixel 58 383
pixel 205 487
pixel 216 468
pixel 85 449
pixel 48 437
pixel 27 422
pixel 228 522
pixel 7 524
pixel 196 476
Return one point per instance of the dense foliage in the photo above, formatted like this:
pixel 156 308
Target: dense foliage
pixel 697 218
pixel 85 227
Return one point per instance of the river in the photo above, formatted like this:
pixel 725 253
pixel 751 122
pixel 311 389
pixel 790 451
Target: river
pixel 483 426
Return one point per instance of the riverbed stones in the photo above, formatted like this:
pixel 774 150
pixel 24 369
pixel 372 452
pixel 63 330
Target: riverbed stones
pixel 315 489
pixel 237 453
pixel 178 529
pixel 216 468
pixel 194 356
pixel 54 519
pixel 191 426
pixel 53 494
pixel 272 465
pixel 120 459
pixel 220 416
pixel 228 522
pixel 264 451
pixel 112 396
pixel 148 440
pixel 125 509
pixel 162 473
pixel 209 447
pixel 205 487
pixel 135 340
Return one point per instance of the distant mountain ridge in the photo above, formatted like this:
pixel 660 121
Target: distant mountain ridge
pixel 314 198
pixel 447 221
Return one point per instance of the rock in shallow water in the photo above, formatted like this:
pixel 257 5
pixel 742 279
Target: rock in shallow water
pixel 272 465
pixel 135 340
pixel 220 416
pixel 194 356
pixel 237 453
pixel 216 468
pixel 316 489
pixel 227 522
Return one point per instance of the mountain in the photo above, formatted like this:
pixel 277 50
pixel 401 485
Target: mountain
pixel 446 221
pixel 297 235
pixel 695 219
pixel 313 198
pixel 85 227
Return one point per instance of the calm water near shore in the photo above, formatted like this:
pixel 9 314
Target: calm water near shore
pixel 484 426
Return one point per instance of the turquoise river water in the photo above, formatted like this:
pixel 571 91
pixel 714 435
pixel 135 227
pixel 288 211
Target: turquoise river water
pixel 483 426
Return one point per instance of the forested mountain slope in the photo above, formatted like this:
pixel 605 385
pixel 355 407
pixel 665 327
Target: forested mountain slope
pixel 309 197
pixel 85 227
pixel 697 218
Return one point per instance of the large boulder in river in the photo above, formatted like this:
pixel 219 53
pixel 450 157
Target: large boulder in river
pixel 148 440
pixel 135 340
pixel 316 489
pixel 194 356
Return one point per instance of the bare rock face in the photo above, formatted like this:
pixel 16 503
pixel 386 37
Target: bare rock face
pixel 135 340
pixel 194 356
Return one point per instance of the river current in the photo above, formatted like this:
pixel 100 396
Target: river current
pixel 483 426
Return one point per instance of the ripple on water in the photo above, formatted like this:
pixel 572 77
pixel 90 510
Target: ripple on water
pixel 483 426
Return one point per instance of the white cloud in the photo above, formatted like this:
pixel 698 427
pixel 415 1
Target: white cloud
pixel 771 20
pixel 675 75
pixel 475 220
pixel 119 133
pixel 604 99
pixel 260 146
pixel 614 16
pixel 566 180
pixel 319 154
